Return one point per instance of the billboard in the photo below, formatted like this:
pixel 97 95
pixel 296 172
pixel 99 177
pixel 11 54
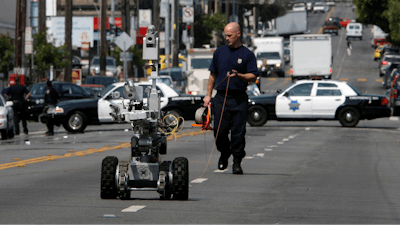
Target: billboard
pixel 82 30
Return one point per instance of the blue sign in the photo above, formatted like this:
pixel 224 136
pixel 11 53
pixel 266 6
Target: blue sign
pixel 293 105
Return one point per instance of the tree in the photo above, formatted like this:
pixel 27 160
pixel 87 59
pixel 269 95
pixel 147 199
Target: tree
pixel 392 15
pixel 216 23
pixel 47 54
pixel 137 56
pixel 6 51
pixel 372 12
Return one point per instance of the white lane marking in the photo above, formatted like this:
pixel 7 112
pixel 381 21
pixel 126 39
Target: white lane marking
pixel 249 157
pixel 259 155
pixel 280 143
pixel 220 171
pixel 393 118
pixel 267 149
pixel 109 216
pixel 199 180
pixel 291 136
pixel 307 128
pixel 285 139
pixel 272 146
pixel 133 208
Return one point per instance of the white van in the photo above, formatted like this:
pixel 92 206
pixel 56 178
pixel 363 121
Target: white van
pixel 354 30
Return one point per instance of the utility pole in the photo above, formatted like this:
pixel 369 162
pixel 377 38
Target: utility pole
pixel 41 26
pixel 175 62
pixel 68 40
pixel 19 33
pixel 167 35
pixel 103 40
pixel 156 14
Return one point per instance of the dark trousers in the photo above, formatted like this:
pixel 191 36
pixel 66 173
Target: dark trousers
pixel 49 120
pixel 19 115
pixel 234 121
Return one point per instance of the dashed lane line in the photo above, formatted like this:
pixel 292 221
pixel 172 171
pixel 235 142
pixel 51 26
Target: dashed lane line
pixel 72 153
pixel 133 208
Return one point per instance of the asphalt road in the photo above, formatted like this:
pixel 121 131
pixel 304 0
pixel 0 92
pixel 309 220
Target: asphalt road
pixel 294 172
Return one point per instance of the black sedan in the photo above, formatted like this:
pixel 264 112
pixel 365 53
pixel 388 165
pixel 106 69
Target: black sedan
pixel 317 100
pixel 66 91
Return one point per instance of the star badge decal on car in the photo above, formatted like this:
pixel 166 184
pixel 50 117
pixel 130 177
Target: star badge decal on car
pixel 294 105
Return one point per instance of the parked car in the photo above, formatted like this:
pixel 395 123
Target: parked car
pixel 76 115
pixel 317 100
pixel 354 30
pixel 319 7
pixel 393 95
pixel 286 54
pixel 309 6
pixel 386 62
pixel 178 76
pixel 166 79
pixel 6 118
pixel 66 91
pixel 330 28
pixel 377 52
pixel 111 65
pixel 336 21
pixel 101 80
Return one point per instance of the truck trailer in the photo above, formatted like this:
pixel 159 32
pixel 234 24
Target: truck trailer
pixel 311 56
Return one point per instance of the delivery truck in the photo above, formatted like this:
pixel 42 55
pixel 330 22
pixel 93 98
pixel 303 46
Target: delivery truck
pixel 311 56
pixel 271 50
pixel 293 22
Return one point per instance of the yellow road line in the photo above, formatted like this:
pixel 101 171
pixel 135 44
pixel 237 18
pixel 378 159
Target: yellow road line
pixel 361 79
pixel 72 153
pixel 327 17
pixel 379 80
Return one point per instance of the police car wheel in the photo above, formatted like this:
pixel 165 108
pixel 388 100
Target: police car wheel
pixel 76 122
pixel 11 132
pixel 257 116
pixel 108 188
pixel 349 117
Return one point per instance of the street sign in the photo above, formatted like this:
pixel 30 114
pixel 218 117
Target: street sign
pixel 124 41
pixel 128 56
pixel 185 2
pixel 187 14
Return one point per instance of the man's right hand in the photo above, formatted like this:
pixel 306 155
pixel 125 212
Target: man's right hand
pixel 206 100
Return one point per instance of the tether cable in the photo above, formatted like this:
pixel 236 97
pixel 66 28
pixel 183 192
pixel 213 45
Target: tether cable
pixel 219 124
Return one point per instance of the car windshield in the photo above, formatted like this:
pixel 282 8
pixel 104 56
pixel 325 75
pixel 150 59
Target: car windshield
pixel 354 89
pixel 109 88
pixel 268 55
pixel 393 59
pixel 200 63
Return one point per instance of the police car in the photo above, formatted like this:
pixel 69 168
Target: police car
pixel 317 100
pixel 75 115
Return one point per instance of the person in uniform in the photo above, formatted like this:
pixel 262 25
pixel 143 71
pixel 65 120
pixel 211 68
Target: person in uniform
pixel 237 64
pixel 16 94
pixel 50 99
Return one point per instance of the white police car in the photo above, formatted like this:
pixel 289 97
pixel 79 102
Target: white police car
pixel 317 100
pixel 75 115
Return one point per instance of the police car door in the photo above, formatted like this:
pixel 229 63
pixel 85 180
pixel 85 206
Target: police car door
pixel 163 98
pixel 295 102
pixel 328 98
pixel 103 105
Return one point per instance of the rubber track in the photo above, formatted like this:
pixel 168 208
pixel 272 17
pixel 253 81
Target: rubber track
pixel 180 168
pixel 108 186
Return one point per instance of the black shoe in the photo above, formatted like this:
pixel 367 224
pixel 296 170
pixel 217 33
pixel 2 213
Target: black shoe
pixel 49 133
pixel 222 163
pixel 236 168
pixel 25 132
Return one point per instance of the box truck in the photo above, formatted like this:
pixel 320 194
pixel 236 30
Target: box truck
pixel 270 49
pixel 311 56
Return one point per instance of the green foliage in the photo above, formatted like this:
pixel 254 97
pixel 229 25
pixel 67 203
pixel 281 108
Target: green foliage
pixel 47 54
pixel 393 16
pixel 6 51
pixel 372 12
pixel 137 56
pixel 202 33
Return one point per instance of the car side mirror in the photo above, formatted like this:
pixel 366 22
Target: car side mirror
pixel 286 94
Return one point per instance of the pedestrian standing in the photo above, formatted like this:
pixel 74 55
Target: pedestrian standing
pixel 237 64
pixel 50 99
pixel 16 94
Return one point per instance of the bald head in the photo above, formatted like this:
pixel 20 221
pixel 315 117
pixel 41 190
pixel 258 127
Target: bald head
pixel 232 34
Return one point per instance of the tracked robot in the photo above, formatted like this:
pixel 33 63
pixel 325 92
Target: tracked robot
pixel 144 170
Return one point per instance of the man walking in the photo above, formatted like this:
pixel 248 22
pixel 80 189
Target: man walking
pixel 16 94
pixel 237 65
pixel 50 99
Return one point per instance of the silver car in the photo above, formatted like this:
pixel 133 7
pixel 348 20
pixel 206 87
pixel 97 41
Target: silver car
pixel 386 62
pixel 111 65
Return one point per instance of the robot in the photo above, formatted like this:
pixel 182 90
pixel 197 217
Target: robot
pixel 144 171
